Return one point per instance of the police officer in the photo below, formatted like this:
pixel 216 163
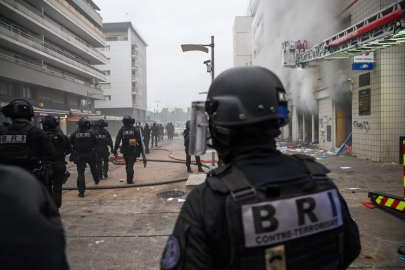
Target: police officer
pixel 93 127
pixel 155 134
pixel 23 144
pixel 186 135
pixel 263 210
pixel 62 148
pixel 146 137
pixel 84 143
pixel 132 145
pixel 103 141
pixel 161 131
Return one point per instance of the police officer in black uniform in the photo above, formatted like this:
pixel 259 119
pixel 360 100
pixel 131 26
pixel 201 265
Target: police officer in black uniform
pixel 155 134
pixel 132 145
pixel 84 143
pixel 263 210
pixel 186 135
pixel 62 147
pixel 103 141
pixel 146 137
pixel 23 144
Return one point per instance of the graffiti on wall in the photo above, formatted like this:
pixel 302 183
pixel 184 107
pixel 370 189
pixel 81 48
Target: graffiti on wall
pixel 362 125
pixel 324 122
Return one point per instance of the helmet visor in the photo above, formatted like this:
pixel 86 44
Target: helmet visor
pixel 198 129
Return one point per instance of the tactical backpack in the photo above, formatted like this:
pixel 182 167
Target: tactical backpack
pixel 282 224
pixel 102 141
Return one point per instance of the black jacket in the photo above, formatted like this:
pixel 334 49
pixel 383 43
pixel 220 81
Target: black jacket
pixel 91 146
pixel 155 130
pixel 202 228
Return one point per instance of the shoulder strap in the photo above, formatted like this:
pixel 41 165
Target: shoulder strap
pixel 28 128
pixel 314 169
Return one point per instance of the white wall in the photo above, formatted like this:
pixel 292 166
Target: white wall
pixel 242 41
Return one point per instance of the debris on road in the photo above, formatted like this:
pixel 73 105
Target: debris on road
pixel 345 168
pixel 170 199
pixel 115 195
pixel 181 200
pixel 98 242
pixel 122 180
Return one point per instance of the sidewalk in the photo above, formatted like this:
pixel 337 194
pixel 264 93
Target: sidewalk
pixel 130 231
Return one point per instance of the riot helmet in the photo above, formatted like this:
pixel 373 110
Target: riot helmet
pixel 84 124
pixel 18 108
pixel 101 124
pixel 188 124
pixel 49 123
pixel 128 120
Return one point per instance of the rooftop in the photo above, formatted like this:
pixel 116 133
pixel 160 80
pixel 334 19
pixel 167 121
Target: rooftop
pixel 116 26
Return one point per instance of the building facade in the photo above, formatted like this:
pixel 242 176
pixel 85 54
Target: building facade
pixel 242 41
pixel 125 91
pixel 47 56
pixel 333 104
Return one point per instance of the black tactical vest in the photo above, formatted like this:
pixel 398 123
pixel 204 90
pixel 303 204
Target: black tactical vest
pixel 129 133
pixel 286 224
pixel 83 141
pixel 58 142
pixel 102 141
pixel 15 149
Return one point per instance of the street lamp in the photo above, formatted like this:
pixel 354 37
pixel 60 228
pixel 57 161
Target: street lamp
pixel 209 63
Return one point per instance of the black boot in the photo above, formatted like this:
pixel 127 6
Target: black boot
pixel 81 194
pixel 189 170
pixel 200 169
pixel 105 175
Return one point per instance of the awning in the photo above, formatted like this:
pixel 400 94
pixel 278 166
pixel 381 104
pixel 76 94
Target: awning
pixel 46 112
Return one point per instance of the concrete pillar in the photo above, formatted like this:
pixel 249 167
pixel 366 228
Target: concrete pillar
pixel 303 127
pixel 313 127
pixel 295 130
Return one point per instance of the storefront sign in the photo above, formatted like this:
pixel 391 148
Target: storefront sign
pixel 363 66
pixel 364 102
pixel 364 58
pixel 74 119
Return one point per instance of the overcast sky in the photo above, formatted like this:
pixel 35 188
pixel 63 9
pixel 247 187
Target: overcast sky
pixel 175 78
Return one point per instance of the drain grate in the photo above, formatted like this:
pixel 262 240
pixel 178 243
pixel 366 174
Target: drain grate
pixel 171 194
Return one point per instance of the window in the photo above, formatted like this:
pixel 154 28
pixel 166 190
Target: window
pixel 108 61
pixel 133 72
pixel 3 88
pixel 107 97
pixel 27 91
pixel 364 79
pixel 83 102
pixel 107 48
pixel 107 72
pixel 105 85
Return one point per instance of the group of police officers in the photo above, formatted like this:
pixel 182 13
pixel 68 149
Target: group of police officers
pixel 262 210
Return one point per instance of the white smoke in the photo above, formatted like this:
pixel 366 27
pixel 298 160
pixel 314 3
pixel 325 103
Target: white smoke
pixel 311 20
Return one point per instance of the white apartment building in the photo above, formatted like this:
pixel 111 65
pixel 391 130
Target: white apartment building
pixel 125 91
pixel 368 104
pixel 47 56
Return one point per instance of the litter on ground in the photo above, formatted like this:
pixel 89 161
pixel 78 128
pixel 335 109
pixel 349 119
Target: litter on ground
pixel 345 168
pixel 98 242
pixel 170 199
pixel 181 200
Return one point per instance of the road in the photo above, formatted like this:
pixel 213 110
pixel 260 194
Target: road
pixel 130 231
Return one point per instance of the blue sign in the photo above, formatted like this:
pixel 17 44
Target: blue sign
pixel 363 66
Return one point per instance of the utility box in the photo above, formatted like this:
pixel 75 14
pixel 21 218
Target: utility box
pixel 288 54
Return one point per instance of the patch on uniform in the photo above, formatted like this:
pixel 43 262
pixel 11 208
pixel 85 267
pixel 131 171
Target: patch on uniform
pixel 13 139
pixel 171 254
pixel 275 258
pixel 82 135
pixel 102 136
pixel 269 223
pixel 129 132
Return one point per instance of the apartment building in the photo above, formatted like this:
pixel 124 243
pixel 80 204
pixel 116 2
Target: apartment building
pixel 125 91
pixel 363 108
pixel 47 56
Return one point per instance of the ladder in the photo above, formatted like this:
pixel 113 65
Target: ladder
pixel 381 30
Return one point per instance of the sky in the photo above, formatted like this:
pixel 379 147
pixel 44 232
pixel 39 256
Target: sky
pixel 176 78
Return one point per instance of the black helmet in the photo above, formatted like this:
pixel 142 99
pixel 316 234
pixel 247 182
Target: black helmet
pixel 128 120
pixel 188 124
pixel 18 108
pixel 49 123
pixel 84 123
pixel 101 123
pixel 246 95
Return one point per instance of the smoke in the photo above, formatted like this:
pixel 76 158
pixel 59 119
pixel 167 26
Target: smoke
pixel 311 20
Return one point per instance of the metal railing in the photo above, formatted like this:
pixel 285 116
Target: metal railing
pixel 38 16
pixel 135 90
pixel 37 44
pixel 116 38
pixel 135 79
pixel 135 53
pixel 71 10
pixel 42 69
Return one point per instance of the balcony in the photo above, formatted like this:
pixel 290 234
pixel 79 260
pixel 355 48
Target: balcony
pixel 15 39
pixel 117 38
pixel 135 79
pixel 135 53
pixel 136 91
pixel 90 11
pixel 17 69
pixel 41 24
pixel 68 16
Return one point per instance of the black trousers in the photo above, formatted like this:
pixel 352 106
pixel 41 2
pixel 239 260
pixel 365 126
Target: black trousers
pixel 102 162
pixel 130 160
pixel 146 143
pixel 55 182
pixel 188 159
pixel 154 138
pixel 81 166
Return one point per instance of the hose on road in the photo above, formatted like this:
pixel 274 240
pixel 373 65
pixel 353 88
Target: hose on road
pixel 141 184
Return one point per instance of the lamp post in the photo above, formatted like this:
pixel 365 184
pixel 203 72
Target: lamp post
pixel 210 65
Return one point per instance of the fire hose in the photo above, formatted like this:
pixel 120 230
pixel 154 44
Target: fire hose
pixel 140 184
